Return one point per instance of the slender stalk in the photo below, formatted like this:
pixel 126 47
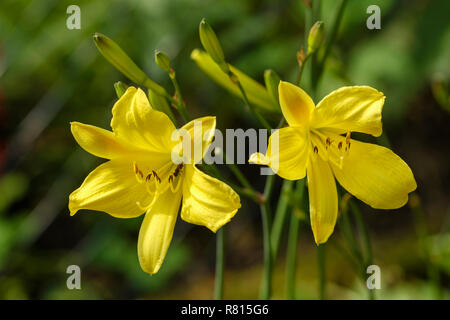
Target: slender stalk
pixel 364 232
pixel 294 225
pixel 291 258
pixel 266 288
pixel 424 244
pixel 236 172
pixel 367 259
pixel 220 262
pixel 299 78
pixel 317 72
pixel 345 226
pixel 321 270
pixel 280 217
pixel 181 107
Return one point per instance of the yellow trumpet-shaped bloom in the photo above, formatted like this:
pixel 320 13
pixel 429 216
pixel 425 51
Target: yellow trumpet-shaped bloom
pixel 140 176
pixel 317 144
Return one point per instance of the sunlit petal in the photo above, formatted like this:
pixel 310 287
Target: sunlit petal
pixel 136 122
pixel 207 201
pixel 156 231
pixel 323 200
pixel 375 175
pixel 356 108
pixel 295 103
pixel 103 143
pixel 289 158
pixel 201 133
pixel 111 188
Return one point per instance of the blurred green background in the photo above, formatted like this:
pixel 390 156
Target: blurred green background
pixel 50 75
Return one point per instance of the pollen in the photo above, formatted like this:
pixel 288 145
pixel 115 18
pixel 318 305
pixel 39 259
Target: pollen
pixel 138 173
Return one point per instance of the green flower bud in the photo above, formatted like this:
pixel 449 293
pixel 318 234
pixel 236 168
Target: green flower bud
pixel 122 62
pixel 212 45
pixel 315 37
pixel 160 103
pixel 162 60
pixel 120 88
pixel 272 80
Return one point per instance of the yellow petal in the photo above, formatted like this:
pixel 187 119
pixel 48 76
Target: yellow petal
pixel 355 108
pixel 102 143
pixel 323 200
pixel 111 188
pixel 207 201
pixel 290 158
pixel 295 103
pixel 375 175
pixel 136 122
pixel 201 133
pixel 156 231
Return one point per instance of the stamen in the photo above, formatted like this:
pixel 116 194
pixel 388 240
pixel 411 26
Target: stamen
pixel 156 176
pixel 347 137
pixel 316 150
pixel 175 174
pixel 138 173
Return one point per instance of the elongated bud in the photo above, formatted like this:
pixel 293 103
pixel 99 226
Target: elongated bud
pixel 122 62
pixel 212 45
pixel 160 103
pixel 120 88
pixel 315 37
pixel 162 60
pixel 272 80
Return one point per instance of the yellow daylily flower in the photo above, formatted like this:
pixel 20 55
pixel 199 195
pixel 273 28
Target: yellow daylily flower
pixel 317 143
pixel 140 176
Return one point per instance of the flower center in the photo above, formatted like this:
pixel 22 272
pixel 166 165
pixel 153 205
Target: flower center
pixel 156 182
pixel 330 146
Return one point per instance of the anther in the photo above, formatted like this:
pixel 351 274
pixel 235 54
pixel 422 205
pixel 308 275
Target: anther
pixel 347 137
pixel 340 145
pixel 156 176
pixel 316 150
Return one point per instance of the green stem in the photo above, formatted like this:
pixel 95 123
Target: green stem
pixel 220 261
pixel 266 288
pixel 424 244
pixel 294 225
pixel 299 79
pixel 364 232
pixel 367 259
pixel 280 217
pixel 316 74
pixel 321 270
pixel 181 107
pixel 345 226
pixel 237 172
pixel 291 259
